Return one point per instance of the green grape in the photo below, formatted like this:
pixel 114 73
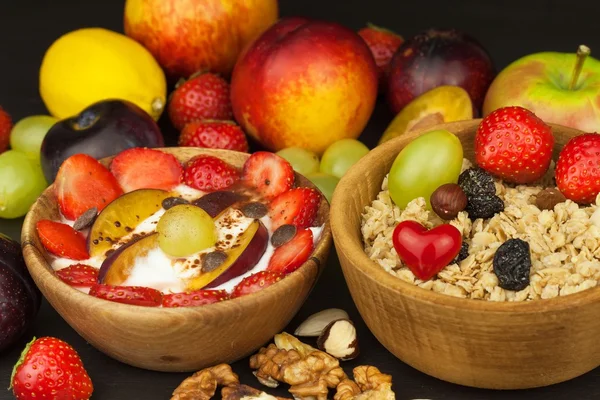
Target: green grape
pixel 325 182
pixel 426 163
pixel 184 230
pixel 27 134
pixel 21 183
pixel 341 155
pixel 303 161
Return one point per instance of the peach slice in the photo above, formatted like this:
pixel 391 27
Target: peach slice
pixel 116 268
pixel 122 216
pixel 241 257
pixel 437 106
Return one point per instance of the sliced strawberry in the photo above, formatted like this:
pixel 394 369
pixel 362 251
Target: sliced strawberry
pixel 79 275
pixel 62 240
pixel 209 174
pixel 269 174
pixel 297 207
pixel 136 295
pixel 141 168
pixel 256 282
pixel 293 254
pixel 83 183
pixel 195 298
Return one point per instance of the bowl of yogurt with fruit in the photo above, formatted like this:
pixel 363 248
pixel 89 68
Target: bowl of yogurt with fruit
pixel 175 259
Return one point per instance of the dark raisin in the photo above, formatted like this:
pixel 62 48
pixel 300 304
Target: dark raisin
pixel 213 260
pixel 512 264
pixel 171 202
pixel 462 254
pixel 484 206
pixel 476 181
pixel 255 210
pixel 86 219
pixel 283 234
pixel 215 202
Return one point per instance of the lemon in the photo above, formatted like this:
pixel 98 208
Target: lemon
pixel 93 64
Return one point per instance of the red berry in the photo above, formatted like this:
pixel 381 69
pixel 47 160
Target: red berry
pixel 5 128
pixel 79 275
pixel 135 295
pixel 256 282
pixel 50 369
pixel 290 256
pixel 214 135
pixel 268 174
pixel 514 145
pixel 209 174
pixel 578 168
pixel 298 207
pixel 83 183
pixel 383 44
pixel 141 168
pixel 205 96
pixel 195 298
pixel 62 240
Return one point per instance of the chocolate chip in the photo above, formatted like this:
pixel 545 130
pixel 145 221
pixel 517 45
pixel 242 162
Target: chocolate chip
pixel 255 210
pixel 213 260
pixel 86 219
pixel 171 202
pixel 283 234
pixel 215 202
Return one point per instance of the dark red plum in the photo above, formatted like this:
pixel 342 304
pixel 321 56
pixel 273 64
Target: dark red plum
pixel 20 299
pixel 439 57
pixel 103 129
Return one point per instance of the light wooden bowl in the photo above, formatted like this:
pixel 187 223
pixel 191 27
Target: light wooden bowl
pixel 469 342
pixel 182 339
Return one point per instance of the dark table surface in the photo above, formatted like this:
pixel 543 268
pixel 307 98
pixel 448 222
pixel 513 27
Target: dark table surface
pixel 509 29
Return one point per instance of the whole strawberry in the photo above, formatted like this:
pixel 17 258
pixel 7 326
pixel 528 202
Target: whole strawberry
pixel 5 127
pixel 578 168
pixel 203 96
pixel 514 145
pixel 209 174
pixel 50 369
pixel 214 135
pixel 383 44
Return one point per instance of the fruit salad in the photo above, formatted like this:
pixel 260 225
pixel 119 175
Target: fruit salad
pixel 514 225
pixel 150 231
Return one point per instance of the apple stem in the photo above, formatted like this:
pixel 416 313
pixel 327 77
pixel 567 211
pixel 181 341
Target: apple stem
pixel 582 52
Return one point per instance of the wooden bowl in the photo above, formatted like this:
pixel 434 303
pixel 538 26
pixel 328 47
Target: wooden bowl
pixel 475 343
pixel 181 339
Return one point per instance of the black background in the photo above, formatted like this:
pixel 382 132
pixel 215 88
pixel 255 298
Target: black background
pixel 509 29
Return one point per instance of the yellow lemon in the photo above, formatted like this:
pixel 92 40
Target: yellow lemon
pixel 93 64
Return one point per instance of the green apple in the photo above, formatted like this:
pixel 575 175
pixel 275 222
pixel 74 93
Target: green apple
pixel 561 88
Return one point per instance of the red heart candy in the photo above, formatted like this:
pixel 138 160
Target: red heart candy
pixel 425 252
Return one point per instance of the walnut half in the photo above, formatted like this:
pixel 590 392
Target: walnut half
pixel 203 384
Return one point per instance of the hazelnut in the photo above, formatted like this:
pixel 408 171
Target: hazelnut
pixel 316 323
pixel 339 340
pixel 548 198
pixel 448 200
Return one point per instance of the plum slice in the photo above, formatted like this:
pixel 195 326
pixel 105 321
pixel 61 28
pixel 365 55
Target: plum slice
pixel 122 216
pixel 241 257
pixel 116 268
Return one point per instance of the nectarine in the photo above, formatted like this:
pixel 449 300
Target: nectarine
pixel 304 83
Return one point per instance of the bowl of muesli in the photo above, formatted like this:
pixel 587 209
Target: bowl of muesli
pixel 465 272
